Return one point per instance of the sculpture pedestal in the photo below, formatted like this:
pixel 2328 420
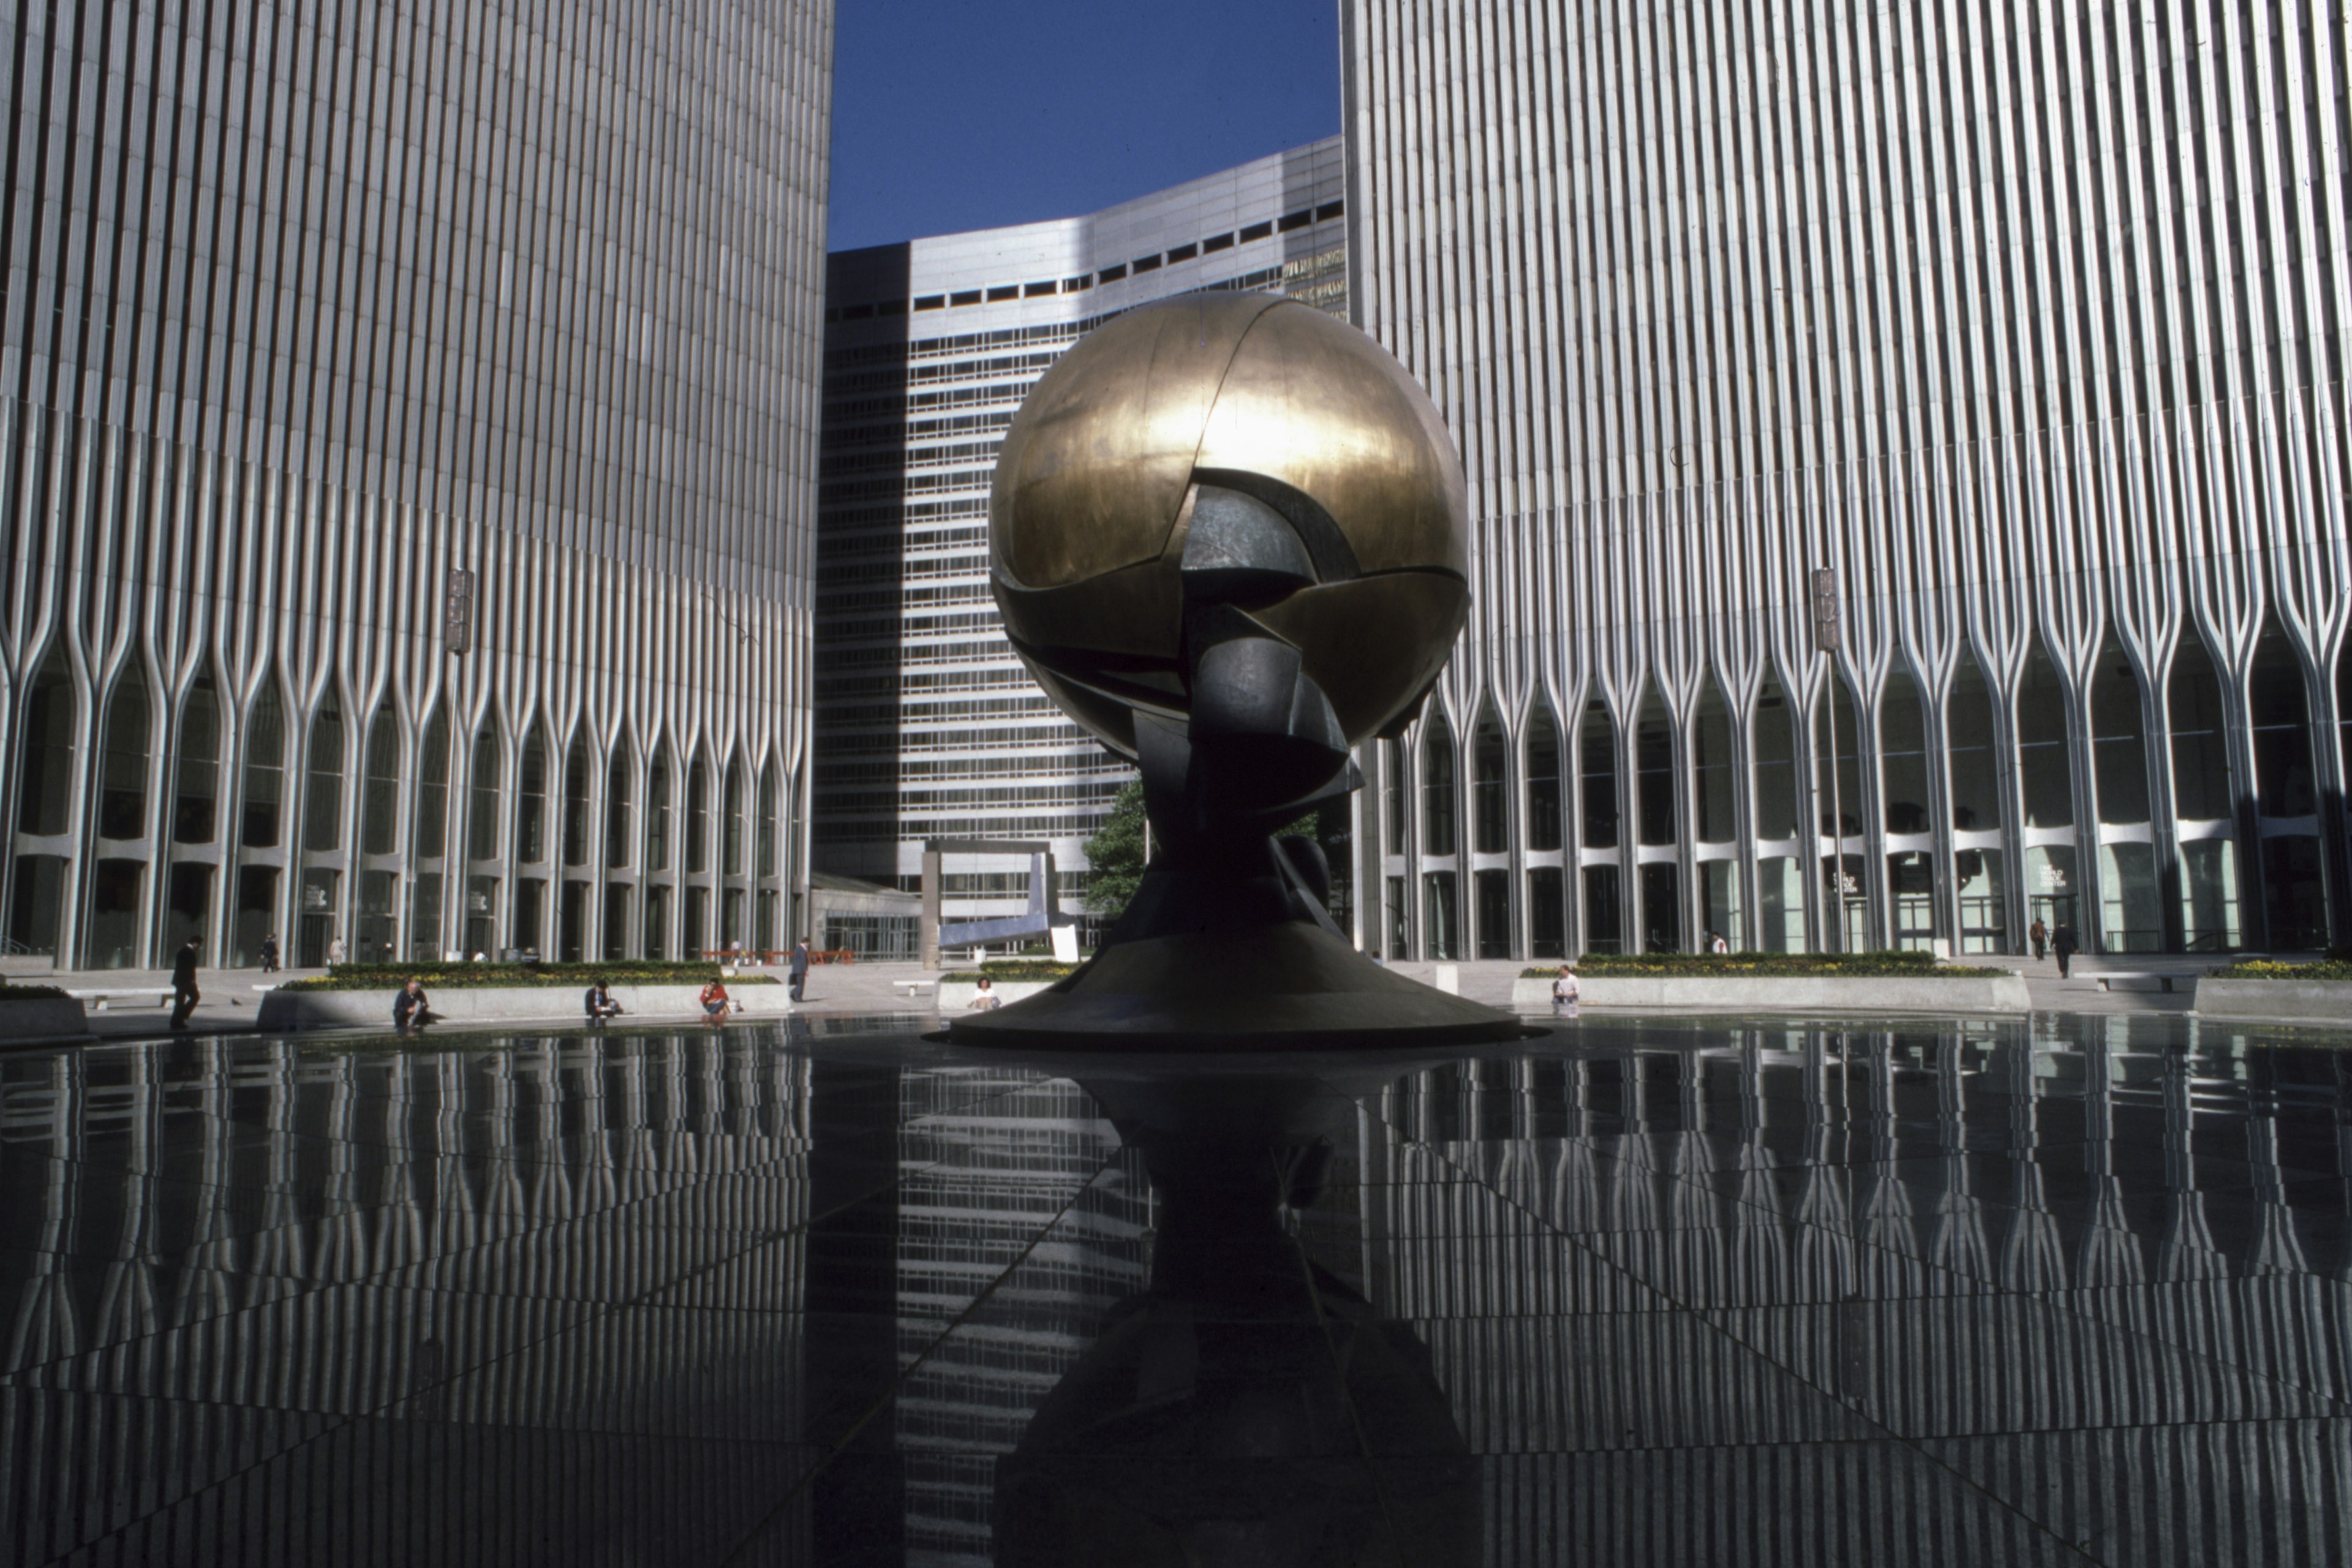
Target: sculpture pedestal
pixel 1287 986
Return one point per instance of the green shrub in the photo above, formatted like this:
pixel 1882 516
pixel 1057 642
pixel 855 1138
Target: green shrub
pixel 463 976
pixel 1761 965
pixel 29 993
pixel 1012 969
pixel 2328 968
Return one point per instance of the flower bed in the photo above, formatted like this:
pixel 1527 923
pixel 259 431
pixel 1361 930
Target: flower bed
pixel 1760 965
pixel 462 976
pixel 998 969
pixel 2330 968
pixel 29 993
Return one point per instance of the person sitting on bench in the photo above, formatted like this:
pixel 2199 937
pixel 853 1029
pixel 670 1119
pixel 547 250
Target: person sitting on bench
pixel 600 1003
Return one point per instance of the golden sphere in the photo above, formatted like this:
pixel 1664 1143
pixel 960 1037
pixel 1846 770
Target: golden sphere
pixel 1098 476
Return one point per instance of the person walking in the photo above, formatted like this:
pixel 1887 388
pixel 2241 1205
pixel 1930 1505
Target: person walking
pixel 800 962
pixel 411 1009
pixel 715 1003
pixel 2063 944
pixel 599 1002
pixel 1564 991
pixel 1715 944
pixel 184 994
pixel 334 953
pixel 2038 935
pixel 269 953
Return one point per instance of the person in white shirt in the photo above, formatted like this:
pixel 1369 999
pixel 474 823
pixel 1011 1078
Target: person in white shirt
pixel 985 999
pixel 1715 944
pixel 1563 993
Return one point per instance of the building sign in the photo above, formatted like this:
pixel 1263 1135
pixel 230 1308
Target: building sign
pixel 457 610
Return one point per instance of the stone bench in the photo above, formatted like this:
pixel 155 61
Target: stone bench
pixel 2137 980
pixel 98 1000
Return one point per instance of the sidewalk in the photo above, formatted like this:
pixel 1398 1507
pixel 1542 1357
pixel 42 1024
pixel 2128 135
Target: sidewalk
pixel 232 997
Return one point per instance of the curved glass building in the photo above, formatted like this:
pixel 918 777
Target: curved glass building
pixel 2005 343
pixel 407 473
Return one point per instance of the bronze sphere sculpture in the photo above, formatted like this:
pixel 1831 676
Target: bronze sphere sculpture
pixel 1243 450
pixel 1228 536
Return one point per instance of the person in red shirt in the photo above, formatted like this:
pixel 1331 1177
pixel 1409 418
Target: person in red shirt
pixel 715 1003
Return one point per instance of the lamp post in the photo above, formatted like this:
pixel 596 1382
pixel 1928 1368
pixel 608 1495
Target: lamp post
pixel 1825 642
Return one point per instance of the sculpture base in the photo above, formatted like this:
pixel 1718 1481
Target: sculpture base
pixel 1290 986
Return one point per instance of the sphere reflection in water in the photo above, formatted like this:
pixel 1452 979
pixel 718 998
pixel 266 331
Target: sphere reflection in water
pixel 1249 1408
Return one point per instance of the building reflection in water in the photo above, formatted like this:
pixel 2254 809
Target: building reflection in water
pixel 1647 1294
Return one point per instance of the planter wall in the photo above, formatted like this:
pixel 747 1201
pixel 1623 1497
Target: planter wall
pixel 955 996
pixel 1784 994
pixel 2306 1001
pixel 42 1020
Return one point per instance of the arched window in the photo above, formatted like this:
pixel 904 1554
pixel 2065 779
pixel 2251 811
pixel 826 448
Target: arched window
pixel 531 804
pixel 576 800
pixel 732 860
pixel 1596 745
pixel 2044 759
pixel 1778 777
pixel 2200 736
pixel 195 789
pixel 697 818
pixel 322 804
pixel 657 816
pixel 1974 749
pixel 264 771
pixel 2118 744
pixel 380 802
pixel 2280 719
pixel 433 787
pixel 122 779
pixel 2279 708
pixel 1654 770
pixel 619 793
pixel 482 813
pixel 772 807
pixel 1715 765
pixel 46 774
pixel 1903 754
pixel 1547 824
pixel 1490 803
pixel 1437 818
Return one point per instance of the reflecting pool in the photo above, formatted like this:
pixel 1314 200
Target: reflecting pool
pixel 1653 1293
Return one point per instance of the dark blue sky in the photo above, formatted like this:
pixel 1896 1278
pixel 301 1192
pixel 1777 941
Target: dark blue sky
pixel 956 114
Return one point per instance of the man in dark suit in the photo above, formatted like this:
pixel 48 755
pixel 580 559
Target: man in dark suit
pixel 184 995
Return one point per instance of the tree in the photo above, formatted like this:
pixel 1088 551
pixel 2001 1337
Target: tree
pixel 1115 855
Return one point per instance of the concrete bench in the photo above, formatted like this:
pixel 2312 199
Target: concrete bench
pixel 98 1000
pixel 2135 980
pixel 911 988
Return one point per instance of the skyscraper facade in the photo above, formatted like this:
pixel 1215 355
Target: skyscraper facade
pixel 1907 446
pixel 928 725
pixel 407 471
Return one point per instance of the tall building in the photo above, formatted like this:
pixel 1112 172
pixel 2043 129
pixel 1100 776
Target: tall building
pixel 408 465
pixel 2023 323
pixel 928 725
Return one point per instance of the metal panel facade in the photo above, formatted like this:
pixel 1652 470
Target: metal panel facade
pixel 310 307
pixel 2025 320
pixel 929 726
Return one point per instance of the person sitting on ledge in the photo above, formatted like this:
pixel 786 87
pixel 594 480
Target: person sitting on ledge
pixel 985 999
pixel 410 1009
pixel 715 1003
pixel 1563 993
pixel 599 1002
